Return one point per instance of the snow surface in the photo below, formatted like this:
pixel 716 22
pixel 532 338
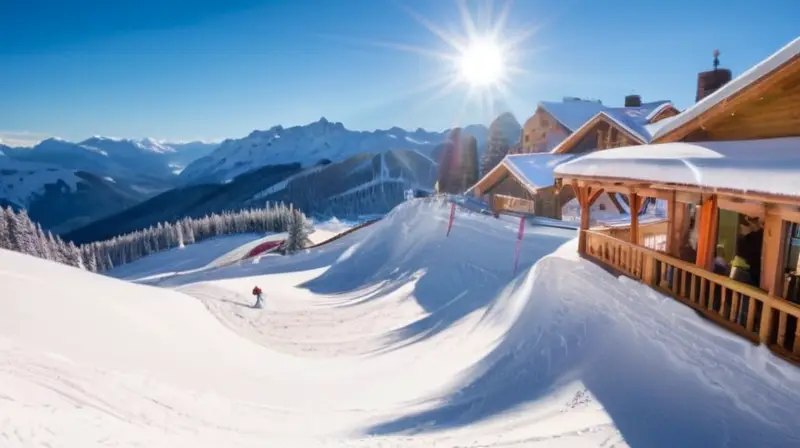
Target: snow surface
pixel 766 166
pixel 758 71
pixel 394 335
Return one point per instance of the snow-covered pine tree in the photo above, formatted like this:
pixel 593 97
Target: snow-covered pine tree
pixel 26 234
pixel 5 237
pixel 87 255
pixel 178 230
pixel 297 238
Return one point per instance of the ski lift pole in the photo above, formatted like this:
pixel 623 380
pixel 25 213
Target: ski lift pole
pixel 452 217
pixel 519 243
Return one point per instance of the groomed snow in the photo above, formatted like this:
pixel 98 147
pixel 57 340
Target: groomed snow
pixel 758 71
pixel 394 335
pixel 766 166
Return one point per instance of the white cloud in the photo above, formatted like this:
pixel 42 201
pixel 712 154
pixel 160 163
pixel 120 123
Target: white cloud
pixel 21 138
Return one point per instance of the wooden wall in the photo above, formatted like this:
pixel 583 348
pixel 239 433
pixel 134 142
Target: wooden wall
pixel 510 186
pixel 536 130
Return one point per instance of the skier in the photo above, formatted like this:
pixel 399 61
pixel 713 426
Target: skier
pixel 257 293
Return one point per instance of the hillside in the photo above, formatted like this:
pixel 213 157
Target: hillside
pixel 394 335
pixel 308 145
pixel 364 184
pixel 61 199
pixel 193 201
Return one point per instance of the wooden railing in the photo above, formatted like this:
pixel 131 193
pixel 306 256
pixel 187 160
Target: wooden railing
pixel 739 307
pixel 502 202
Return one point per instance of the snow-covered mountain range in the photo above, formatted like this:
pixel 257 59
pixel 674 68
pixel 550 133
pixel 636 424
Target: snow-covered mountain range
pixel 308 145
pixel 125 172
pixel 151 163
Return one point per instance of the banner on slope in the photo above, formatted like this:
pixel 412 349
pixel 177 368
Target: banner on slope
pixel 519 243
pixel 452 217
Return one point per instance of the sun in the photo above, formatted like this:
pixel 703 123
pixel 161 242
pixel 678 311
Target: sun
pixel 482 63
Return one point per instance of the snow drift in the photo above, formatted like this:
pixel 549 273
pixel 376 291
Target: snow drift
pixel 394 335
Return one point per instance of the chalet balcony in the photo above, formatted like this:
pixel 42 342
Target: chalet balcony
pixel 504 203
pixel 744 309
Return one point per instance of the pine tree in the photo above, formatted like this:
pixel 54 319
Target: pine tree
pixel 298 232
pixel 5 232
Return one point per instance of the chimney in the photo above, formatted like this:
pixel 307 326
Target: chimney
pixel 710 81
pixel 633 101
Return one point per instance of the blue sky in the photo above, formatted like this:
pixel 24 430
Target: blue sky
pixel 186 69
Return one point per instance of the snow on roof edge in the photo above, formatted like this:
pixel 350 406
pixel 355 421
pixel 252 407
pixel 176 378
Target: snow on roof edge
pixel 750 76
pixel 658 110
pixel 769 165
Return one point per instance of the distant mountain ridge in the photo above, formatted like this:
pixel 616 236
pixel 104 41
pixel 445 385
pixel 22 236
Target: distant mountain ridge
pixel 148 162
pixel 309 144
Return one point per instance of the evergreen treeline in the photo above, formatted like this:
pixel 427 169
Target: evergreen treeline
pixel 20 234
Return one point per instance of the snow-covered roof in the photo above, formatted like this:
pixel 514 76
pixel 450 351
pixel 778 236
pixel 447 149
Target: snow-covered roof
pixel 536 170
pixel 758 71
pixel 572 114
pixel 635 120
pixel 768 166
pixel 576 113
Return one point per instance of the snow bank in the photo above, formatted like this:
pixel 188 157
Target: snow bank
pixel 394 335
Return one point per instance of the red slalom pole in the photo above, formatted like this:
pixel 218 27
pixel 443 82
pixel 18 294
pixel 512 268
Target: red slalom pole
pixel 519 243
pixel 452 217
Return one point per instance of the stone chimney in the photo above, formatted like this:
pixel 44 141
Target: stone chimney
pixel 710 81
pixel 633 101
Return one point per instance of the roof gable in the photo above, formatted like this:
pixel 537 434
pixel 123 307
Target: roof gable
pixel 689 119
pixel 633 121
pixel 572 114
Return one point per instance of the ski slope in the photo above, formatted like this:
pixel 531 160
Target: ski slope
pixel 212 253
pixel 393 335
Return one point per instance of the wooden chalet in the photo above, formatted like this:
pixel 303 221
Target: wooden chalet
pixel 728 168
pixel 523 183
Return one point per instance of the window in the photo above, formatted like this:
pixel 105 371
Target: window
pixel 527 138
pixel 602 207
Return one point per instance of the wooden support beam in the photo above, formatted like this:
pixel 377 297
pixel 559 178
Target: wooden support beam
pixel 634 203
pixel 671 224
pixel 582 194
pixel 707 234
pixel 593 194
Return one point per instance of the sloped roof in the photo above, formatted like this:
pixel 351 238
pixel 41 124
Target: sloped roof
pixel 634 120
pixel 536 170
pixel 572 114
pixel 768 166
pixel 755 73
pixel 575 113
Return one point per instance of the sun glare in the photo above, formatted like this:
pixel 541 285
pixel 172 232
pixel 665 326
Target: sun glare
pixel 481 63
